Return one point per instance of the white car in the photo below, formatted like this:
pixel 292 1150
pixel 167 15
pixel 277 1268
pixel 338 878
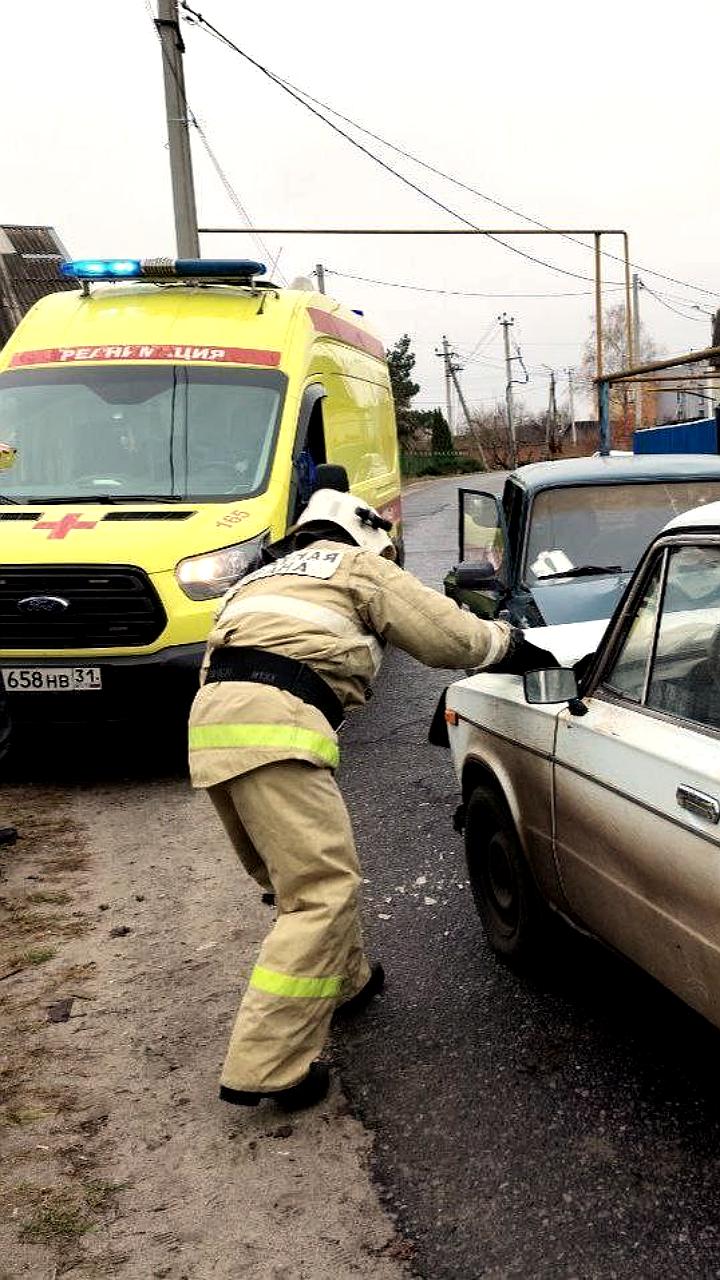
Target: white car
pixel 600 798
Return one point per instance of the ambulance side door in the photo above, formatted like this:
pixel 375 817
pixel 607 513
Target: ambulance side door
pixel 309 448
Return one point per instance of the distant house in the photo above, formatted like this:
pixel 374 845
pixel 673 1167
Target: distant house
pixel 687 392
pixel 29 269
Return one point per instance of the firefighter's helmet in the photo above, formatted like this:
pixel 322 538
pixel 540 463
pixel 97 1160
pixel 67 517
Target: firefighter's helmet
pixel 353 515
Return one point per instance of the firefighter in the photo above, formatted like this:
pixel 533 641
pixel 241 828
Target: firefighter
pixel 296 644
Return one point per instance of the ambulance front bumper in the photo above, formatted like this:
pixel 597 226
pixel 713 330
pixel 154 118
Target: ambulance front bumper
pixel 125 684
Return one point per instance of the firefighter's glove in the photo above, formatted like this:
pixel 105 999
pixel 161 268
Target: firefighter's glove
pixel 523 656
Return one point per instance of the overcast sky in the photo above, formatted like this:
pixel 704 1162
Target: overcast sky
pixel 577 115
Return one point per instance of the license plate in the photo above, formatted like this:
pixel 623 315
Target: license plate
pixel 51 679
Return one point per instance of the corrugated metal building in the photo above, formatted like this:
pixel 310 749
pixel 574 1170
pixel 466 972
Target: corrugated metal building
pixel 29 261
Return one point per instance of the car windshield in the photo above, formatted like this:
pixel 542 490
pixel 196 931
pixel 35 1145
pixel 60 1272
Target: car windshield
pixel 606 527
pixel 176 431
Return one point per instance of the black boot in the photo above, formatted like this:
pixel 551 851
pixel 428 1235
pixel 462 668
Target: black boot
pixel 8 835
pixel 311 1089
pixel 362 998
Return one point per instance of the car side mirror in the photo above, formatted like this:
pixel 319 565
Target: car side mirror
pixel 477 575
pixel 556 684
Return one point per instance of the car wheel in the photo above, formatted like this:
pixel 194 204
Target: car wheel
pixel 515 919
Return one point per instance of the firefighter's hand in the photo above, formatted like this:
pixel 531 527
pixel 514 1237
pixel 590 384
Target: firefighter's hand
pixel 524 656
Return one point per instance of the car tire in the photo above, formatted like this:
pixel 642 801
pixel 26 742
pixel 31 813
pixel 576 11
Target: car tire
pixel 515 919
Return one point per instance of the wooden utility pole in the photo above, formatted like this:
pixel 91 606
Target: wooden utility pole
pixel 456 383
pixel 571 399
pixel 598 317
pixel 551 429
pixel 448 381
pixel 636 342
pixel 176 108
pixel 507 323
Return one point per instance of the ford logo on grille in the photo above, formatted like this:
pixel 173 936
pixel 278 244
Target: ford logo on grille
pixel 43 604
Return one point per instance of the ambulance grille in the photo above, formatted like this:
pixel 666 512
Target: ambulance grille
pixel 107 607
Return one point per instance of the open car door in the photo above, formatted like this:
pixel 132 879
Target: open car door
pixel 481 577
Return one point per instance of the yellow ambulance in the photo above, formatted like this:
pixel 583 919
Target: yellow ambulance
pixel 156 427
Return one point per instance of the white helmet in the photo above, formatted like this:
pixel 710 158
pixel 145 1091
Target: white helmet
pixel 365 526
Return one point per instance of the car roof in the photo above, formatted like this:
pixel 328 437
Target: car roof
pixel 699 518
pixel 635 468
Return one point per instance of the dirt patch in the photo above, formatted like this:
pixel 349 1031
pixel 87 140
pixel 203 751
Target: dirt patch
pixel 127 931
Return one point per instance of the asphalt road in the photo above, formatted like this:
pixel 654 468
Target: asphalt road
pixel 562 1127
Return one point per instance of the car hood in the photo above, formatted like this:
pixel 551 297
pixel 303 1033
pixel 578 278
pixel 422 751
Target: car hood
pixel 578 599
pixel 571 642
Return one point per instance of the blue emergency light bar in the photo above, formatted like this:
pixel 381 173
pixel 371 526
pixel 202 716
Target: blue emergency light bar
pixel 162 269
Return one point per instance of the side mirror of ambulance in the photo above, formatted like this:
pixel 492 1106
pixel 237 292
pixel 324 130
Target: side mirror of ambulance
pixel 477 575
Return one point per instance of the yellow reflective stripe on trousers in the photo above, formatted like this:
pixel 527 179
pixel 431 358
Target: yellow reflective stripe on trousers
pixel 283 984
pixel 260 736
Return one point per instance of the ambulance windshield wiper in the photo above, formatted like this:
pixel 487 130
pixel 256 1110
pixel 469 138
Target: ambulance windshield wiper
pixel 6 500
pixel 112 498
pixel 118 499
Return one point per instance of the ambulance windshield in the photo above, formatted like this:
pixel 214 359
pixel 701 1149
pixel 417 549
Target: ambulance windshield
pixel 120 432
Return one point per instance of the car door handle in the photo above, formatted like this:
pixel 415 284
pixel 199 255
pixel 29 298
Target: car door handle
pixel 698 803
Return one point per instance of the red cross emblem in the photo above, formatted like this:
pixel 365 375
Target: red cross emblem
pixel 61 528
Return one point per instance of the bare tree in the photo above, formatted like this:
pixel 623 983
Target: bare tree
pixel 489 429
pixel 615 357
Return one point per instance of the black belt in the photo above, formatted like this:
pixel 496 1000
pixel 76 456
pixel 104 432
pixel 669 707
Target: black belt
pixel 260 666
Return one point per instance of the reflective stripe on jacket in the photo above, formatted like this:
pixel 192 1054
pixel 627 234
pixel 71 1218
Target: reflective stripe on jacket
pixel 334 607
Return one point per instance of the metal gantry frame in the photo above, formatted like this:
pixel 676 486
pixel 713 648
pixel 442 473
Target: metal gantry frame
pixel 492 233
pixel 637 375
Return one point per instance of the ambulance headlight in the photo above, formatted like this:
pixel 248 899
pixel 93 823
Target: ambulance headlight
pixel 209 576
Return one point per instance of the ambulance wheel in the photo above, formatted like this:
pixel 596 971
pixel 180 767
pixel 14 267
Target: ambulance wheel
pixel 516 921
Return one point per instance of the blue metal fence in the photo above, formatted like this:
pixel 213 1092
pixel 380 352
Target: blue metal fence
pixel 700 436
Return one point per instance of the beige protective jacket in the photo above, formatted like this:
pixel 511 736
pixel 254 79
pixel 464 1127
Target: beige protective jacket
pixel 333 607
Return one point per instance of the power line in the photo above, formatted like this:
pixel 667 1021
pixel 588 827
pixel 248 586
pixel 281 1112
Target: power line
pixel 482 342
pixel 458 293
pixel 663 303
pixel 484 360
pixel 306 101
pixel 235 198
pixel 458 182
pixel 301 94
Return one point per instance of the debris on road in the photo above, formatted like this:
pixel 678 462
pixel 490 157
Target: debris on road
pixel 59 1011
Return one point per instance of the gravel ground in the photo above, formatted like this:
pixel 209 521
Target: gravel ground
pixel 122 911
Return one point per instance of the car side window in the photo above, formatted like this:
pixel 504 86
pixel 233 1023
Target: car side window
pixel 628 674
pixel 481 534
pixel 685 677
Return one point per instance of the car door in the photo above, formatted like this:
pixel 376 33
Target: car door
pixel 482 540
pixel 637 778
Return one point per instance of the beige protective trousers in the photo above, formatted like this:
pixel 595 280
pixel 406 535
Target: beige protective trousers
pixel 291 830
